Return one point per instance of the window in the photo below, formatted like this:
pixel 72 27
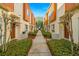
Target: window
pixel 53 28
pixel 50 13
pixel 26 27
pixel 28 14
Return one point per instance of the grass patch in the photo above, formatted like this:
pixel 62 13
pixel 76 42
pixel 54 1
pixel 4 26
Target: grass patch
pixel 60 47
pixel 18 47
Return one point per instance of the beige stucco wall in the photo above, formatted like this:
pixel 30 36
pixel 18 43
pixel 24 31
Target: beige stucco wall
pixel 75 26
pixel 60 12
pixel 60 28
pixel 18 9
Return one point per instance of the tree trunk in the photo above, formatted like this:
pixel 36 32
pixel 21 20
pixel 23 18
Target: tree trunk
pixel 71 35
pixel 4 39
pixel 68 22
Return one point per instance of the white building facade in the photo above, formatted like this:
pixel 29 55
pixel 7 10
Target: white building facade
pixel 21 27
pixel 75 26
pixel 55 27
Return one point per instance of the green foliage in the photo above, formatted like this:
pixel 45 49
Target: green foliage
pixel 60 47
pixel 39 22
pixel 33 33
pixel 76 50
pixel 46 34
pixel 18 47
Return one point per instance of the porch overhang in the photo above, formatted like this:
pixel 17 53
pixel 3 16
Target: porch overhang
pixel 13 15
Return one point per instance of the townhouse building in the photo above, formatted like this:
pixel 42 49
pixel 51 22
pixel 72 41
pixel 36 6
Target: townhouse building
pixel 33 22
pixel 54 28
pixel 7 22
pixel 74 9
pixel 51 20
pixel 21 21
pixel 20 24
pixel 24 24
pixel 29 17
pixel 46 25
pixel 60 12
pixel 55 18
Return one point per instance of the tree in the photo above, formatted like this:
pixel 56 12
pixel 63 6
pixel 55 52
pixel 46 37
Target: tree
pixel 7 19
pixel 68 23
pixel 5 28
pixel 39 22
pixel 0 30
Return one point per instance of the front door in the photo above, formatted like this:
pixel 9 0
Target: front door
pixel 66 33
pixel 13 31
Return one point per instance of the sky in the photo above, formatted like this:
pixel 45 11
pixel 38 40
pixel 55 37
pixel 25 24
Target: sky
pixel 39 9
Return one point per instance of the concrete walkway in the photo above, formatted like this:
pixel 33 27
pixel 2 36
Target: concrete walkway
pixel 39 46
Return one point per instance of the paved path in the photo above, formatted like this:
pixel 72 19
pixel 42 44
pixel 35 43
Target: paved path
pixel 39 46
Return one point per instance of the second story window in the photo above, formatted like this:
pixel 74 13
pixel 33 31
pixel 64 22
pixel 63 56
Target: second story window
pixel 51 11
pixel 28 13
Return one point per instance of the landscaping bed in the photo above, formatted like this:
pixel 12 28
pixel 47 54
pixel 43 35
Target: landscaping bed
pixel 32 35
pixel 61 47
pixel 46 34
pixel 18 47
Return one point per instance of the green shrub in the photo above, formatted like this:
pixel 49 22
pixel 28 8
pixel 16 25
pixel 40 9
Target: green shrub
pixel 18 47
pixel 33 33
pixel 76 50
pixel 60 47
pixel 46 34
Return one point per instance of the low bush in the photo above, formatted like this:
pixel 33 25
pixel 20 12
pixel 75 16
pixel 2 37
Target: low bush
pixel 60 47
pixel 33 33
pixel 76 50
pixel 18 47
pixel 46 34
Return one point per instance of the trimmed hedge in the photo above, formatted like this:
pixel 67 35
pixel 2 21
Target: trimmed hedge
pixel 60 47
pixel 18 47
pixel 33 33
pixel 46 34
